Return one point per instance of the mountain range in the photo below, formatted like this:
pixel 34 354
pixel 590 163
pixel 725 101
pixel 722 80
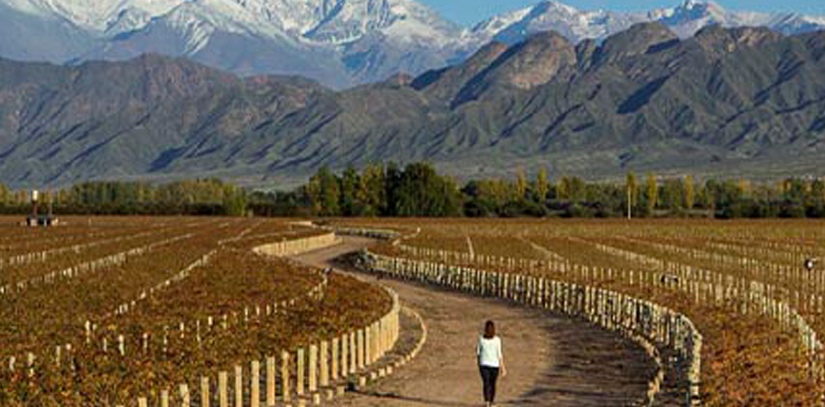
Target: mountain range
pixel 339 43
pixel 747 101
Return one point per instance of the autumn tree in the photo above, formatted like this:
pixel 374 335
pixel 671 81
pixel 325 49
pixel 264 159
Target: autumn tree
pixel 4 194
pixel 234 200
pixel 542 186
pixel 520 185
pixel 571 189
pixel 631 191
pixel 689 188
pixel 563 189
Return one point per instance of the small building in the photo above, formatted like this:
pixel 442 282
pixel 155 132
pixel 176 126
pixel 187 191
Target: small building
pixel 42 220
pixel 35 219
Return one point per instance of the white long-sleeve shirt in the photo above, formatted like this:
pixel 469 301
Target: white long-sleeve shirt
pixel 489 352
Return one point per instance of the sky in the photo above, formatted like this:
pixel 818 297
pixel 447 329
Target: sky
pixel 470 12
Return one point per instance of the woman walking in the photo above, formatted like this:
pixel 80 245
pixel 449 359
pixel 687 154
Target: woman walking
pixel 490 361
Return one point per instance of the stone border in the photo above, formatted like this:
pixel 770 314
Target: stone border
pixel 638 320
pixel 641 321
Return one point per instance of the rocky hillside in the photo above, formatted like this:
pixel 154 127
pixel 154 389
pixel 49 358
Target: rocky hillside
pixel 726 101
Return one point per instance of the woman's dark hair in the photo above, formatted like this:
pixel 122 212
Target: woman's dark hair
pixel 489 330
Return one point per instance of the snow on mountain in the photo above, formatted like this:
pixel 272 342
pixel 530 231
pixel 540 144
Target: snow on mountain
pixel 400 20
pixel 692 16
pixel 685 20
pixel 574 24
pixel 319 21
pixel 95 15
pixel 386 35
pixel 488 29
pixel 339 22
pixel 198 21
pixel 367 39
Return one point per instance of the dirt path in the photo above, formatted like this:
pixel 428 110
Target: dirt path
pixel 552 360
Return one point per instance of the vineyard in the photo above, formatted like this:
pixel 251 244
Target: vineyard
pixel 160 311
pixel 742 284
pixel 201 311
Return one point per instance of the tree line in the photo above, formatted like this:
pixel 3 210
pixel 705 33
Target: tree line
pixel 418 190
pixel 378 190
pixel 191 197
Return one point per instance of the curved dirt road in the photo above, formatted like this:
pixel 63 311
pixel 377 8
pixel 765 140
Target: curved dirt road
pixel 552 360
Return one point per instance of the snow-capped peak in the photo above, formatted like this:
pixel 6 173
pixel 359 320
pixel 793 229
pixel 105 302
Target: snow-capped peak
pixel 93 15
pixel 319 21
pixel 552 15
pixel 692 10
pixel 351 20
pixel 689 4
pixel 685 19
pixel 365 37
pixel 334 22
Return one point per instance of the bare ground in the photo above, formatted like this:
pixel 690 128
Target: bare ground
pixel 552 360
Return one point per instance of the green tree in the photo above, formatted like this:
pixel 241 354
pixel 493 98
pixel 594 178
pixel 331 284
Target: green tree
pixel 492 192
pixel 577 189
pixel 652 193
pixel 330 194
pixel 392 185
pixel 324 193
pixel 422 192
pixel 4 194
pixel 571 189
pixel 817 192
pixel 673 194
pixel 372 192
pixel 795 190
pixel 499 190
pixel 707 198
pixel 563 189
pixel 234 200
pixel 350 185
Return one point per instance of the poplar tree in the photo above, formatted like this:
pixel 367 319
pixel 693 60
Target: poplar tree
pixel 652 192
pixel 521 185
pixel 4 194
pixel 563 189
pixel 350 184
pixel 542 186
pixel 372 194
pixel 632 191
pixel 689 190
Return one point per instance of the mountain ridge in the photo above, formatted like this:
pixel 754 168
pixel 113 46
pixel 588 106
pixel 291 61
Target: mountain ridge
pixel 340 43
pixel 723 102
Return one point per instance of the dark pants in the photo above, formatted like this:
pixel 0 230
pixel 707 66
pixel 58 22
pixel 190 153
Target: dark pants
pixel 489 375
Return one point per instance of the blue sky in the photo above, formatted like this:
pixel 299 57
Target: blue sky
pixel 469 12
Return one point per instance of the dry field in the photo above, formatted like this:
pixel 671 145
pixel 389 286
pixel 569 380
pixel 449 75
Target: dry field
pixel 101 311
pixel 742 283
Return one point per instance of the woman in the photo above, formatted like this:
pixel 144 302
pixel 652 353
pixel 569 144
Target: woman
pixel 490 361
